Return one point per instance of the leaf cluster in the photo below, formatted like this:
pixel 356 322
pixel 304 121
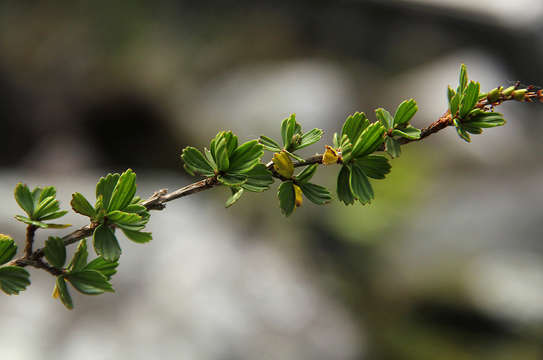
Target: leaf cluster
pixel 40 205
pixel 13 279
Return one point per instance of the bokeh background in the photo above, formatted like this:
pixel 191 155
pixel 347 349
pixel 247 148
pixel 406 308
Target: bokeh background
pixel 447 263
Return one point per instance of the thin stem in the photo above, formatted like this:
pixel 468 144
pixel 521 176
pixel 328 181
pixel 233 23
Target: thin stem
pixel 30 232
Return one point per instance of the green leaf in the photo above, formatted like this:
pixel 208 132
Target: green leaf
pixel 124 191
pixel 8 249
pixel 315 193
pixel 455 103
pixel 236 195
pixel 81 205
pixel 450 93
pixel 105 243
pixel 360 185
pixel 343 190
pixel 286 197
pixel 31 222
pixel 24 198
pixel 288 128
pixel 45 207
pixel 461 131
pixel 463 79
pixel 306 173
pixel 106 268
pixel 294 156
pixel 354 126
pixel 405 112
pixel 123 218
pixel 139 237
pixel 209 158
pixel 369 141
pixel 374 166
pixel 55 251
pixel 309 138
pixel 13 279
pixel 259 179
pixel 221 155
pixel 79 261
pixel 269 144
pixel 61 292
pixel 472 129
pixel 46 192
pixel 470 98
pixel 90 282
pixel 105 188
pixel 385 118
pixel 232 179
pixel 245 157
pixel 479 118
pixel 393 147
pixel 136 209
pixel 196 162
pixel 231 142
pixel 409 132
pixel 54 215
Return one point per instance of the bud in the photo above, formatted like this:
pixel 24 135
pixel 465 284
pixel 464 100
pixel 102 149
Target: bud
pixel 296 139
pixel 519 94
pixel 507 92
pixel 493 95
pixel 283 165
pixel 297 196
pixel 330 156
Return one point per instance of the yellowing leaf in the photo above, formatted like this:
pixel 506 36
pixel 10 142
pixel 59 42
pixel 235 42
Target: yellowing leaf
pixel 283 165
pixel 330 156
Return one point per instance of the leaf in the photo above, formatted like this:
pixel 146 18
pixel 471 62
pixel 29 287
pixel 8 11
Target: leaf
pixel 236 195
pixel 360 185
pixel 90 282
pixel 136 209
pixel 269 144
pixel 54 215
pixel 231 142
pixel 46 192
pixel 232 179
pixel 13 279
pixel 454 103
pixel 123 218
pixel 330 156
pixel 288 128
pixel 47 206
pixel 335 141
pixel 405 112
pixel 24 198
pixel 294 156
pixel 483 119
pixel 463 78
pixel 79 260
pixel 385 118
pixel 461 131
pixel 196 162
pixel 105 243
pixel 450 93
pixel 209 158
pixel 105 188
pixel 245 157
pixel 409 132
pixel 315 193
pixel 286 197
pixel 61 292
pixel 393 147
pixel 354 126
pixel 55 251
pixel 374 166
pixel 106 268
pixel 81 205
pixel 221 155
pixel 8 249
pixel 56 226
pixel 259 179
pixel 369 141
pixel 309 138
pixel 31 222
pixel 139 237
pixel 307 173
pixel 343 189
pixel 283 165
pixel 124 191
pixel 469 99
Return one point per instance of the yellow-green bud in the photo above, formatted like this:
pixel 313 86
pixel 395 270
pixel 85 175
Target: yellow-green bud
pixel 507 92
pixel 493 95
pixel 519 94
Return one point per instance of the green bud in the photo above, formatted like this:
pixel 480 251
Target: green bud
pixel 493 95
pixel 507 92
pixel 519 94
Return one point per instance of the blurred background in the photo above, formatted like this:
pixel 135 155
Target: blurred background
pixel 446 263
